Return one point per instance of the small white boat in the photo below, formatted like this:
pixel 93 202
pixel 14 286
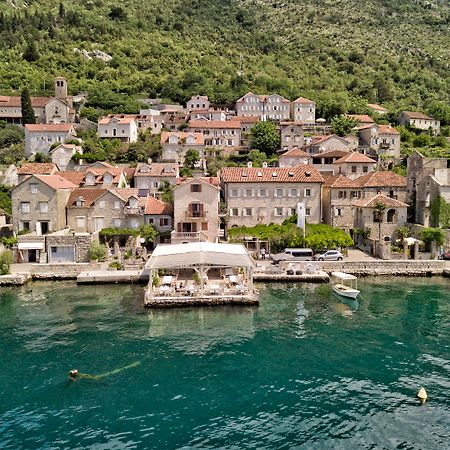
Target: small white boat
pixel 344 284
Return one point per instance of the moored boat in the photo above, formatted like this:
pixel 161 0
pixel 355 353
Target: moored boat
pixel 344 284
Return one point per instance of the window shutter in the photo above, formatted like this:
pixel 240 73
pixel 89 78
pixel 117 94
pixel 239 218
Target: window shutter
pixel 179 227
pixel 204 226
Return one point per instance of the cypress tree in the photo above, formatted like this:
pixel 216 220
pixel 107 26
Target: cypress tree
pixel 27 109
pixel 31 53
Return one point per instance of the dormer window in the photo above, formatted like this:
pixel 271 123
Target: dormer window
pixel 274 174
pixel 145 169
pixel 107 178
pixel 259 174
pixel 90 179
pixel 79 202
pixel 133 202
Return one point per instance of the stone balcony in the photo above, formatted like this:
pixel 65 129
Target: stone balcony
pixel 130 211
pixel 180 237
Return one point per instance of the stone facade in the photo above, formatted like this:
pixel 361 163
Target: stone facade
pixel 62 156
pixel 303 110
pixel 151 176
pixel 39 138
pixel 320 144
pixel 419 120
pixel 292 135
pixel 198 103
pixel 78 244
pixel 274 107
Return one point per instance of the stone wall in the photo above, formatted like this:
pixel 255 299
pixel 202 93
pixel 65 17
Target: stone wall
pixel 81 243
pixel 61 271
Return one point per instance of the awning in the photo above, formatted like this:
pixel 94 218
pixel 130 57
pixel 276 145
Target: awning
pixel 198 254
pixel 30 245
pixel 343 276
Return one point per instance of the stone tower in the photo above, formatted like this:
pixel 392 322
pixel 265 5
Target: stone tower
pixel 61 88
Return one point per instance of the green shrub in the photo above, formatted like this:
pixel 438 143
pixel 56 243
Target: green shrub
pixel 116 265
pixel 97 251
pixel 6 259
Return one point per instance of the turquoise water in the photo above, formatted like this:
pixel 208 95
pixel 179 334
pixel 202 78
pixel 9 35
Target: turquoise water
pixel 303 370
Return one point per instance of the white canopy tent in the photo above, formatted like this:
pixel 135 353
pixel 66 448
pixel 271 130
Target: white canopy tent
pixel 199 254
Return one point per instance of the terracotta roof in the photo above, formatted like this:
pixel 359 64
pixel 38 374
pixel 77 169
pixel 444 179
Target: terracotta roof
pixel 120 118
pixel 363 118
pixel 157 170
pixel 319 139
pixel 214 124
pixel 387 129
pixel 129 172
pixel 354 157
pixel 55 181
pixel 77 148
pixel 295 152
pixel 247 119
pixel 376 107
pixel 15 101
pixel 339 181
pixel 210 180
pixel 379 198
pixel 330 154
pixel 124 193
pixel 37 168
pixel 100 173
pixel 381 179
pixel 49 127
pixel 417 115
pixel 365 126
pixel 302 100
pixel 296 174
pixel 199 139
pixel 290 123
pixel 154 206
pixel 89 195
pixel 73 176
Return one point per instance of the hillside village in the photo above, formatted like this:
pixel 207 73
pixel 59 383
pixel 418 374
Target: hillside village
pixel 60 206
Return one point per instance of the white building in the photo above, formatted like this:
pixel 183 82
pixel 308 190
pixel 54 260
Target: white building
pixel 122 127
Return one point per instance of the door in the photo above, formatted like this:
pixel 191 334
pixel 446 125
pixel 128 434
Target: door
pixel 32 256
pixel 98 223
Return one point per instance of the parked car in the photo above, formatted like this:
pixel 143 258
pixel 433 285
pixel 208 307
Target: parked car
pixel 446 256
pixel 329 255
pixel 293 254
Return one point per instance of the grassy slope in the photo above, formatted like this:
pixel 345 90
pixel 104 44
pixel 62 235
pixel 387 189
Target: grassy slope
pixel 314 48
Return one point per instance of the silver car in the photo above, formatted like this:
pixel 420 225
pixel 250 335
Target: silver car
pixel 329 255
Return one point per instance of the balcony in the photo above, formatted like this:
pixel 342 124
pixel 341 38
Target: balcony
pixel 133 211
pixel 180 237
pixel 195 214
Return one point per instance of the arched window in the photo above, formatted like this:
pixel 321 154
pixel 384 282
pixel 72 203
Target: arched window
pixel 392 215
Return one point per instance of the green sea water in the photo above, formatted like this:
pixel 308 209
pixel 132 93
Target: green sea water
pixel 303 370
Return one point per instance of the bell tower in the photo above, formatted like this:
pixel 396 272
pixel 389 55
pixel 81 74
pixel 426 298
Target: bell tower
pixel 61 88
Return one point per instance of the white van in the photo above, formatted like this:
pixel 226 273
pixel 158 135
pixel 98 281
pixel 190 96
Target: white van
pixel 293 254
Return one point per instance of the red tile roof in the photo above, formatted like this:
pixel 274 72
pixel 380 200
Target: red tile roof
pixel 387 129
pixel 381 179
pixel 15 101
pixel 297 174
pixel 125 193
pixel 330 154
pixel 49 127
pixel 379 198
pixel 119 118
pixel 199 139
pixel 363 118
pixel 90 195
pixel 55 181
pixel 296 152
pixel 339 181
pixel 154 206
pixel 302 100
pixel 37 168
pixel 247 119
pixel 354 157
pixel 417 115
pixel 157 170
pixel 210 180
pixel 215 124
pixel 376 107
pixel 73 176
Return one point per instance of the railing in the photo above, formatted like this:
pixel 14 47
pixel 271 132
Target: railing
pixel 128 210
pixel 193 236
pixel 195 214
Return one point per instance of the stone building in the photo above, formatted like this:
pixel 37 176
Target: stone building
pixel 224 135
pixel 293 157
pixel 118 126
pixel 196 210
pixel 303 110
pixel 149 177
pixel 38 203
pixel 270 195
pixel 419 120
pixel 292 135
pixel 323 162
pixel 175 144
pixel 198 103
pixel 381 140
pixel 62 156
pixel 320 144
pixel 32 168
pixel 354 164
pixel 40 137
pixel 273 107
pixel 160 215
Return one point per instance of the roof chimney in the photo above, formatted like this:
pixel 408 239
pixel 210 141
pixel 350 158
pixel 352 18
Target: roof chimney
pixel 264 164
pixel 249 164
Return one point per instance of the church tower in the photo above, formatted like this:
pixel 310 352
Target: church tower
pixel 61 88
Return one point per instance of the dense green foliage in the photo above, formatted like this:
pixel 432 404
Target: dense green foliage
pixel 342 125
pixel 440 213
pixel 429 235
pixel 265 137
pixel 97 251
pixel 317 237
pixel 5 199
pixel 6 259
pixel 339 53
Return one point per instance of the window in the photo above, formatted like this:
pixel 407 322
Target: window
pixel 365 169
pixel 33 188
pixel 164 222
pixel 278 211
pixel 248 193
pixel 307 192
pixel 24 226
pixel 196 188
pixel 279 192
pixel 25 207
pixel 117 222
pixel 43 207
pixel 234 193
pixel 342 194
pixel 293 211
pixel 307 211
pixel 248 211
pixel 354 169
pixel 355 194
pixel 262 193
pixel 156 184
pixel 81 221
pixel 116 205
pixel 293 192
pixel 234 212
pixel 338 212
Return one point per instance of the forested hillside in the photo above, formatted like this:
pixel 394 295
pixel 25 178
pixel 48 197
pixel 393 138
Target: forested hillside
pixel 341 53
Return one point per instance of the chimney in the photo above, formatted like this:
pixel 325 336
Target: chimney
pixel 264 164
pixel 249 164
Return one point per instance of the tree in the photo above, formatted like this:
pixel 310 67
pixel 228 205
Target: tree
pixel 379 209
pixel 31 53
pixel 342 125
pixel 117 13
pixel 148 232
pixel 265 137
pixel 166 190
pixel 191 158
pixel 27 109
pixel 6 259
